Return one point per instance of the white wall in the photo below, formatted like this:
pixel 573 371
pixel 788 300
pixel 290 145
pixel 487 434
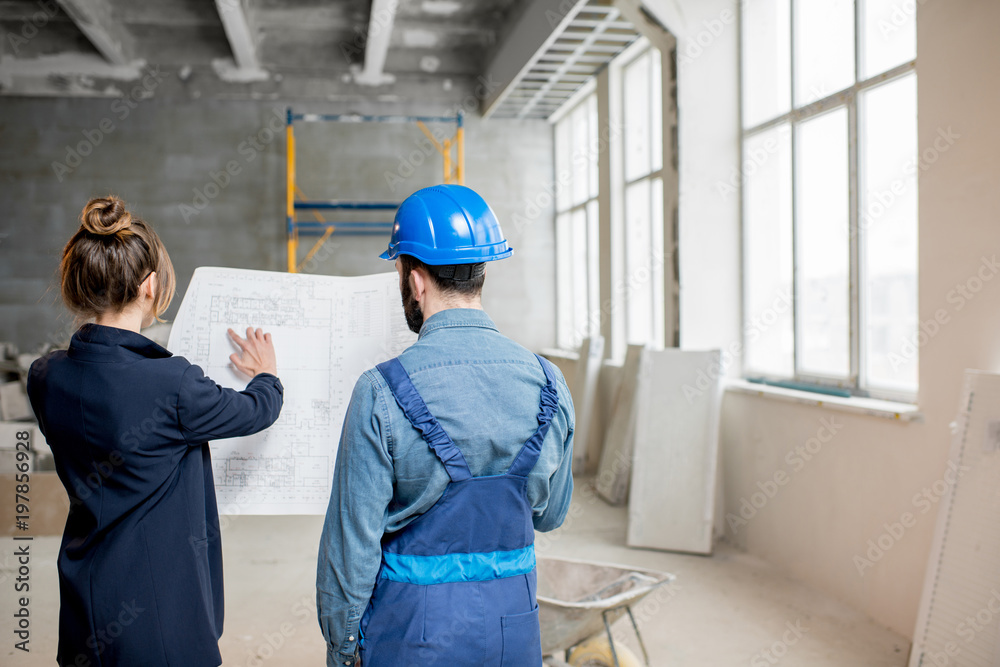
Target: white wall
pixel 707 35
pixel 868 474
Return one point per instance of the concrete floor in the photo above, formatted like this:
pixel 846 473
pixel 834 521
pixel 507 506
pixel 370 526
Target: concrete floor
pixel 730 609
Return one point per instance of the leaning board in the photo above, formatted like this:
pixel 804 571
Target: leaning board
pixel 584 391
pixel 616 455
pixel 676 450
pixel 957 623
pixel 327 331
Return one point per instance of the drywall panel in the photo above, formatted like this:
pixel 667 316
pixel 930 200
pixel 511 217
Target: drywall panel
pixel 675 459
pixel 615 468
pixel 958 610
pixel 584 389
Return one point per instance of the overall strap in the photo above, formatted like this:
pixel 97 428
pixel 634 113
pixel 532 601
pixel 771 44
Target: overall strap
pixel 420 417
pixel 528 456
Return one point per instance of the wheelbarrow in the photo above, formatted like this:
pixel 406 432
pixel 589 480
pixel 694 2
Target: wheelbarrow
pixel 578 602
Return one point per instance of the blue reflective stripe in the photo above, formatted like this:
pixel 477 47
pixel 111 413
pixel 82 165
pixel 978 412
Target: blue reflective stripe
pixel 451 568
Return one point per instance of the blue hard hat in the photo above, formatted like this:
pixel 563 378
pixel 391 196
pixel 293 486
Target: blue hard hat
pixel 447 224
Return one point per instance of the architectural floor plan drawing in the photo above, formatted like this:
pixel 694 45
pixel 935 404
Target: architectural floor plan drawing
pixel 327 331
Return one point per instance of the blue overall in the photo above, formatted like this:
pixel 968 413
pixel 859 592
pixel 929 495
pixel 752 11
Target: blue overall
pixel 457 585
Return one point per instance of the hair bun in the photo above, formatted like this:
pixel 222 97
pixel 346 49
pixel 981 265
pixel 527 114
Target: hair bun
pixel 105 216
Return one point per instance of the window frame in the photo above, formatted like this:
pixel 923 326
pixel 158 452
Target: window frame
pixel 608 317
pixel 587 96
pixel 658 300
pixel 847 98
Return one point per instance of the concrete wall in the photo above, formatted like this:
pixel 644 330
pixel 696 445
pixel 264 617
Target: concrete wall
pixel 872 470
pixel 160 157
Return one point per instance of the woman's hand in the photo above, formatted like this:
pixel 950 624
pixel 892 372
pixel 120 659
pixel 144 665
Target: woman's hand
pixel 257 354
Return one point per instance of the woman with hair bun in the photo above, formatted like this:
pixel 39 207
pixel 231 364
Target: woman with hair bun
pixel 140 565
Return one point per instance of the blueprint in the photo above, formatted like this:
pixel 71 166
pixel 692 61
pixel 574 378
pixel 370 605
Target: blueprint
pixel 327 331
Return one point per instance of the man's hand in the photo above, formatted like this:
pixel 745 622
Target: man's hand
pixel 257 354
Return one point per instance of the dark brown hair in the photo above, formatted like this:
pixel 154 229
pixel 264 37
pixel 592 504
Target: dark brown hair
pixel 473 286
pixel 109 257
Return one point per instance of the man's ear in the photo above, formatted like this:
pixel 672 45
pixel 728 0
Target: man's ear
pixel 418 283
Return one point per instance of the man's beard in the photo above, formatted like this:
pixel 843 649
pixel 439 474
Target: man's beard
pixel 411 308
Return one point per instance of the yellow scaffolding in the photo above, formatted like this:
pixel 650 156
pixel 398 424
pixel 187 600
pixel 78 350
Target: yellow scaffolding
pixel 454 172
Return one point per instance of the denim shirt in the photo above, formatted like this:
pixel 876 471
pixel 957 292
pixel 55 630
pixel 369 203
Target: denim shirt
pixel 484 390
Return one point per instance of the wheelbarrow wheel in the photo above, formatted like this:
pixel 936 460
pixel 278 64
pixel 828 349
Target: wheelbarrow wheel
pixel 596 652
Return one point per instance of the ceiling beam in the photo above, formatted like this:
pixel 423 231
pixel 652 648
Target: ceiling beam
pixel 90 76
pixel 380 22
pixel 75 75
pixel 239 29
pixel 109 36
pixel 646 24
pixel 526 39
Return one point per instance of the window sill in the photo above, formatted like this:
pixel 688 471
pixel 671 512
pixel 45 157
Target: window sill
pixel 903 412
pixel 558 353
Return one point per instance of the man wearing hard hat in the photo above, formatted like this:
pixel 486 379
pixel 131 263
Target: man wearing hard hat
pixel 451 456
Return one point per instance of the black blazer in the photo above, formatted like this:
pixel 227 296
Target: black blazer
pixel 140 566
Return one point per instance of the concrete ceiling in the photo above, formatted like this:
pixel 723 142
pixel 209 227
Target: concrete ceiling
pixel 259 43
pixel 374 51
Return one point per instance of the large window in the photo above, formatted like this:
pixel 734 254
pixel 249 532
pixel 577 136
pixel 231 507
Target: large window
pixel 642 102
pixel 830 193
pixel 577 273
pixel 628 145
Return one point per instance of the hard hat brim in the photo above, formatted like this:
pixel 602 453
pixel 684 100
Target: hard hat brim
pixel 438 258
